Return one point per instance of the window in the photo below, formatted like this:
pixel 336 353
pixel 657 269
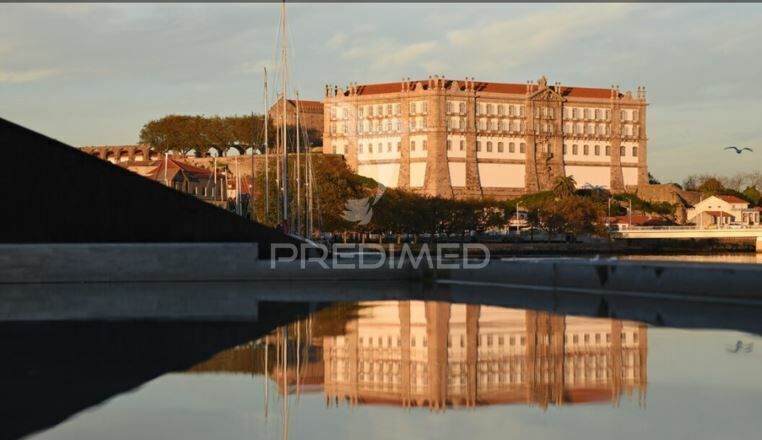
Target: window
pixel 370 148
pixel 565 148
pixel 478 145
pixel 399 146
pixel 425 107
pixel 389 109
pixel 462 145
pixel 511 147
pixel 370 111
pixel 511 110
pixel 634 151
pixel 499 147
pixel 490 109
pixel 522 148
pixel 462 107
pixel 621 151
pixel 482 124
pixel 333 148
pixel 608 114
pixel 574 149
pixel 489 147
pixel 412 145
pixel 449 107
pixel 597 113
pixel 635 116
pixel 623 115
pixel 412 124
pixel 574 113
pixel 380 110
pixel 587 113
pixel 521 110
pixel 424 145
pixel 608 150
pixel 380 147
pixel 396 109
pixel 412 108
pixel 389 147
pixel 493 125
pixel 388 125
pixel 333 112
pixel 359 148
pixel 449 145
pixel 361 111
pixel 597 150
pixel 500 110
pixel 586 150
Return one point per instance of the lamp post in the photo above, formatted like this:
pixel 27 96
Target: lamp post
pixel 608 219
pixel 630 214
pixel 518 224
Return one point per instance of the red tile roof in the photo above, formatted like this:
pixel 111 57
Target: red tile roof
pixel 174 165
pixel 310 106
pixel 732 199
pixel 488 87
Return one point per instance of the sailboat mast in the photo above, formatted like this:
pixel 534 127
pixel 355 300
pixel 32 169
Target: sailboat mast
pixel 267 158
pixel 285 98
pixel 298 171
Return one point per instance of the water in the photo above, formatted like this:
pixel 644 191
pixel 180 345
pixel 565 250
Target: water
pixel 390 369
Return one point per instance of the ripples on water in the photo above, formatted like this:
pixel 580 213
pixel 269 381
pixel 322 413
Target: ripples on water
pixel 404 369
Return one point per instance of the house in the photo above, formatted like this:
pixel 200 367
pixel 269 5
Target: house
pixel 199 182
pixel 722 210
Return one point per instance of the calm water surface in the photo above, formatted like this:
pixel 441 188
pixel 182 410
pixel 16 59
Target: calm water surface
pixel 414 369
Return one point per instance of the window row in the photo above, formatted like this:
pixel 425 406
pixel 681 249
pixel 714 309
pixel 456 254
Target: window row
pixel 498 109
pixel 596 150
pixel 378 110
pixel 500 147
pixel 379 147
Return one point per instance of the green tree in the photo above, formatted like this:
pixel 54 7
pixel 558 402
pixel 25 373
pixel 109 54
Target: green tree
pixel 711 186
pixel 564 186
pixel 752 194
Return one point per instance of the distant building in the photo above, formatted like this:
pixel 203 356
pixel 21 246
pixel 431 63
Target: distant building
pixel 310 117
pixel 450 138
pixel 722 210
pixel 199 182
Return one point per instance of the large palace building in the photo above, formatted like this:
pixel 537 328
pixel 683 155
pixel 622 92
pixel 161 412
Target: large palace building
pixel 471 139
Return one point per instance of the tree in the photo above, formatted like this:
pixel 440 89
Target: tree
pixel 752 194
pixel 711 186
pixel 652 180
pixel 564 186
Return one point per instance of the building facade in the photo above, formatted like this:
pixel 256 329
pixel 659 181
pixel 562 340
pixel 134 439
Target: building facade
pixel 310 117
pixel 477 139
pixel 723 210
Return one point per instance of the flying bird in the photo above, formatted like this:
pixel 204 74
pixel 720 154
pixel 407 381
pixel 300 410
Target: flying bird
pixel 739 150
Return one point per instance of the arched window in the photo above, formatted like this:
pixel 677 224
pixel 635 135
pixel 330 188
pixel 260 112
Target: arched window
pixel 462 145
pixel 522 147
pixel 489 147
pixel 608 150
pixel 499 147
pixel 449 145
pixel 412 145
pixel 634 151
pixel 511 147
pixel 574 149
pixel 424 145
pixel 478 145
pixel 597 150
pixel 622 151
pixel 585 150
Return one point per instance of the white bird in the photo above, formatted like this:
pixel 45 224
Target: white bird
pixel 739 150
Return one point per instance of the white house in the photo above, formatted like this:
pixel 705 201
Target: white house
pixel 722 210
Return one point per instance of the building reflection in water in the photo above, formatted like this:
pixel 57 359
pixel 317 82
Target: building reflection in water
pixel 433 354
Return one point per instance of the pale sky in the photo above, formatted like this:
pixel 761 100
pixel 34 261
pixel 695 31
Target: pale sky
pixel 93 74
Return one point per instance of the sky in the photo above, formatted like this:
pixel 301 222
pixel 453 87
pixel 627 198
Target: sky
pixel 93 74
